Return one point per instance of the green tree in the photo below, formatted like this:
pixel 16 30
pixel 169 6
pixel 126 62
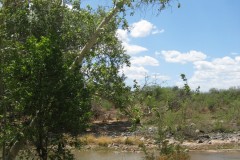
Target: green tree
pixel 44 93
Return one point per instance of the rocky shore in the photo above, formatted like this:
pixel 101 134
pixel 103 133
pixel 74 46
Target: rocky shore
pixel 215 141
pixel 118 136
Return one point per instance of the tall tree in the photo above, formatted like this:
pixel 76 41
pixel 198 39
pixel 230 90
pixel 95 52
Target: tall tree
pixel 44 93
pixel 44 99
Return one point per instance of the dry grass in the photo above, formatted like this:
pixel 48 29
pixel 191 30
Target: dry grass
pixel 105 140
pixel 129 141
pixel 88 139
pixel 118 140
pixel 133 141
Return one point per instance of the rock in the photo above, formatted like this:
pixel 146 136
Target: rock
pixel 200 141
pixel 142 139
pixel 115 144
pixel 197 131
pixel 192 124
pixel 206 136
pixel 152 129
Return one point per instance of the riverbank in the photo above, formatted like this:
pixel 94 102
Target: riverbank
pixel 134 144
pixel 117 136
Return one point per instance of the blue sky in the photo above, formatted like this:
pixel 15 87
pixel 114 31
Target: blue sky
pixel 200 39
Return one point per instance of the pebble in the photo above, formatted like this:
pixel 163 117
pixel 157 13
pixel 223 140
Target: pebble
pixel 142 139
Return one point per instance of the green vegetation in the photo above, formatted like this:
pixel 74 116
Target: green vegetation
pixel 178 108
pixel 58 65
pixel 54 62
pixel 185 114
pixel 41 98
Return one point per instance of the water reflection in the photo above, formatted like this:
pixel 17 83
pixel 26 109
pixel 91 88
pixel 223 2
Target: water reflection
pixel 215 156
pixel 108 155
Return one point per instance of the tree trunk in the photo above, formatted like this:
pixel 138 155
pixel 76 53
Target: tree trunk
pixel 19 144
pixel 16 147
pixel 41 142
pixel 78 60
pixel 4 110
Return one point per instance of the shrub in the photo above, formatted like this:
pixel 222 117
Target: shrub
pixel 129 141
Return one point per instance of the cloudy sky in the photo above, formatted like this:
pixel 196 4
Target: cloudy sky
pixel 201 39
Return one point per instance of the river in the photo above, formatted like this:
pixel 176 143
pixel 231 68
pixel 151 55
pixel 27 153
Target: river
pixel 106 155
pixel 111 155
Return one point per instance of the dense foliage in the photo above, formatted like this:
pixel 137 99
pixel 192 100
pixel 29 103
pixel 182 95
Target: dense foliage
pixel 41 99
pixel 54 61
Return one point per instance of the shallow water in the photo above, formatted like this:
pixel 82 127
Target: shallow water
pixel 215 155
pixel 112 155
pixel 107 155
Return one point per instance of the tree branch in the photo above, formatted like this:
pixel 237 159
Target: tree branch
pixel 78 60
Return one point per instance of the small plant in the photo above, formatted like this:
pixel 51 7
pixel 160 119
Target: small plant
pixel 173 152
pixel 148 155
pixel 168 152
pixel 221 126
pixel 129 141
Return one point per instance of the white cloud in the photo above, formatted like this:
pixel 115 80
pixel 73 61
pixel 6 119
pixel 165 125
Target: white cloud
pixel 139 73
pixel 178 57
pixel 133 49
pixel 69 6
pixel 158 31
pixel 144 61
pixel 237 59
pixel 135 72
pixel 224 61
pixel 143 28
pixel 122 35
pixel 234 53
pixel 220 73
pixel 139 29
pixel 160 77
